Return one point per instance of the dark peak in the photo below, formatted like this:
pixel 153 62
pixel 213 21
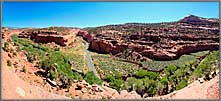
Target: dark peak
pixel 190 15
pixel 191 18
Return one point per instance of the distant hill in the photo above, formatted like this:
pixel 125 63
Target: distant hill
pixel 192 19
pixel 189 24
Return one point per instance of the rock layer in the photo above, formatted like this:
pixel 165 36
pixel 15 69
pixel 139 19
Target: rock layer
pixel 165 41
pixel 47 36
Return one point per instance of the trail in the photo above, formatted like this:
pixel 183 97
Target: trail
pixel 90 62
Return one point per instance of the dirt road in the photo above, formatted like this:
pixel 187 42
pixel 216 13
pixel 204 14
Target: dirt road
pixel 90 61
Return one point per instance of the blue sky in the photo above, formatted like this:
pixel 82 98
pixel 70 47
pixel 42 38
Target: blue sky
pixel 91 14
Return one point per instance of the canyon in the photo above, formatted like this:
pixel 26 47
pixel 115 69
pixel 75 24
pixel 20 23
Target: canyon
pixel 159 42
pixel 164 41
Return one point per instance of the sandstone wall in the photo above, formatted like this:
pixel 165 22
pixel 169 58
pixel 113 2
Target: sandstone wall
pixel 159 48
pixel 43 36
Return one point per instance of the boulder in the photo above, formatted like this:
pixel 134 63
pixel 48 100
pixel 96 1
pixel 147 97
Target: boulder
pixel 123 93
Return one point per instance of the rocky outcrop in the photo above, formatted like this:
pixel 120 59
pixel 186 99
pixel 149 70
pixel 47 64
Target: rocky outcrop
pixel 46 36
pixel 164 47
pixel 4 32
pixel 101 46
pixel 161 41
pixel 82 90
pixel 88 37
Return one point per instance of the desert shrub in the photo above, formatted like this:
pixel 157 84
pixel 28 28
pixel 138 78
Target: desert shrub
pixel 109 78
pixel 141 73
pixel 145 73
pixel 129 84
pixel 139 86
pixel 14 54
pixel 65 81
pixel 183 83
pixel 6 47
pixel 164 81
pixel 56 64
pixel 24 69
pixel 115 80
pixel 30 57
pixel 151 86
pixel 117 75
pixel 169 70
pixel 91 78
pixel 77 76
pixel 152 75
pixel 56 49
pixel 179 74
pixel 40 47
pixel 9 63
pixel 52 73
pixel 117 84
pixel 206 65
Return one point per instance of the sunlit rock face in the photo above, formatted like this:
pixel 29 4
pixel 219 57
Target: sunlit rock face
pixel 160 41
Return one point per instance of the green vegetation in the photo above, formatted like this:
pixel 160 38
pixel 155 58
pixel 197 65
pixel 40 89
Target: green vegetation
pixel 14 54
pixel 159 65
pixel 198 54
pixel 181 84
pixel 115 80
pixel 207 65
pixel 57 64
pixel 77 55
pixel 105 63
pixel 56 49
pixel 149 74
pixel 9 63
pixel 174 76
pixel 6 47
pixel 91 78
pixel 35 51
pixel 77 76
pixel 24 69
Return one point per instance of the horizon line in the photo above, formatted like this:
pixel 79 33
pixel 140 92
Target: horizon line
pixel 109 24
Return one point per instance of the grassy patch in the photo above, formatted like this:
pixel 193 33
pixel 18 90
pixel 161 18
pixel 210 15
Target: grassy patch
pixel 199 54
pixel 158 65
pixel 107 64
pixel 91 78
pixel 207 65
pixel 77 55
pixel 35 51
